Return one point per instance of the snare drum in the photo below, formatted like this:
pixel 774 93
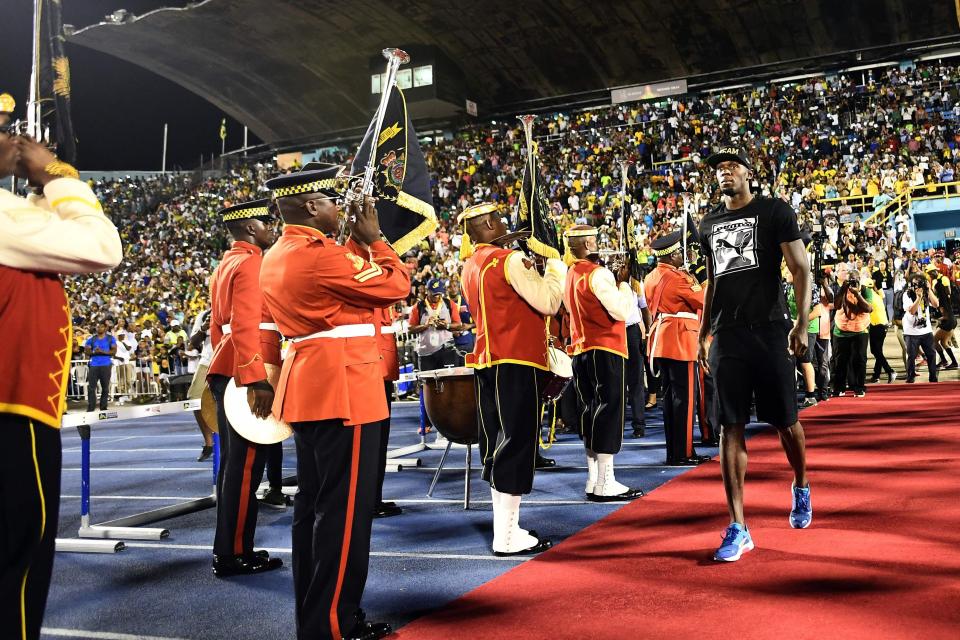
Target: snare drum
pixel 450 399
pixel 561 372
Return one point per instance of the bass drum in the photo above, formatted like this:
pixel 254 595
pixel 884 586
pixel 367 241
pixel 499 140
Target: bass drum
pixel 450 400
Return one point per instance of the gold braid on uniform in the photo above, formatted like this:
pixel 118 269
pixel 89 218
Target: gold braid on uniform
pixel 61 169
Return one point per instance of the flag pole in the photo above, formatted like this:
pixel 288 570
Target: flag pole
pixel 34 126
pixel 163 162
pixel 395 58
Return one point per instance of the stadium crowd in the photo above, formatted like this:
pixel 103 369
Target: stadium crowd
pixel 837 148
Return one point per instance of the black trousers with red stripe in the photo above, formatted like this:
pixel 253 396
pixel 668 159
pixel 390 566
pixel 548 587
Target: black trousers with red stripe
pixel 332 519
pixel 241 471
pixel 677 379
pixel 29 508
pixel 600 380
pixel 384 440
pixel 708 408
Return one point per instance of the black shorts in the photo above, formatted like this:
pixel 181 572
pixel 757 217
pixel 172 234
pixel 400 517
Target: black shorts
pixel 947 323
pixel 750 362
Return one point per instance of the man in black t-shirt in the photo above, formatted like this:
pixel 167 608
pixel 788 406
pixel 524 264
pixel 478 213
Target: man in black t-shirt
pixel 744 241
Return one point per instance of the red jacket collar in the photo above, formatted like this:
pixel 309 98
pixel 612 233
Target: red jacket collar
pixel 305 232
pixel 240 245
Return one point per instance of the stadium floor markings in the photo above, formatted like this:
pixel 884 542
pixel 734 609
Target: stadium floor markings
pixel 157 498
pixel 397 500
pixel 95 450
pixel 98 635
pixel 378 554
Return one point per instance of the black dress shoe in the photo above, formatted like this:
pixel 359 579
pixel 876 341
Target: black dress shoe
pixel 386 510
pixel 629 494
pixel 639 431
pixel 370 631
pixel 541 546
pixel 275 498
pixel 545 463
pixel 262 553
pixel 244 565
pixel 697 459
pixel 713 442
pixel 205 453
pixel 875 379
pixel 289 482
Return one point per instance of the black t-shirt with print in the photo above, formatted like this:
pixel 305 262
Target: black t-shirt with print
pixel 743 247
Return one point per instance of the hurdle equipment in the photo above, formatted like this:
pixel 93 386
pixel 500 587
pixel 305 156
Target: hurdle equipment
pixel 106 537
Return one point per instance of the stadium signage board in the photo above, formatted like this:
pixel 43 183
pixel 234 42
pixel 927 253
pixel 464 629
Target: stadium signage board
pixel 648 91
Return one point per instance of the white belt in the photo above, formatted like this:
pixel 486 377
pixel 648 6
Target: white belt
pixel 343 331
pixel 264 326
pixel 658 323
pixel 393 328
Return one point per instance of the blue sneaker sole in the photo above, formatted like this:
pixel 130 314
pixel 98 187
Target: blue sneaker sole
pixel 743 550
pixel 796 526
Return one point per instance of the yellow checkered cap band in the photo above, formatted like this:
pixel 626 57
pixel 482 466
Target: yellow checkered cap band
pixel 243 214
pixel 667 251
pixel 7 103
pixel 340 185
pixel 477 211
pixel 579 233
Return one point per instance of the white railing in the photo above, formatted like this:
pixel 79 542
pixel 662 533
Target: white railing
pixel 133 381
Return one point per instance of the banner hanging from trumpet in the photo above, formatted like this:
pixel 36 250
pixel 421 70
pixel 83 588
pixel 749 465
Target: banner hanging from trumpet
pixel 401 183
pixel 534 209
pixel 53 78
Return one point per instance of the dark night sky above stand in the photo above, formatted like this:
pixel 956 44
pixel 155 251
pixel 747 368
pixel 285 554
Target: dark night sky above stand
pixel 295 68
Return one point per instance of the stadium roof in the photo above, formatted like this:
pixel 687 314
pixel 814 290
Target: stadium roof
pixel 291 69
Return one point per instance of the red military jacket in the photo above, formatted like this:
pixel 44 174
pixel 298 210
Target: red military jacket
pixel 591 326
pixel 509 330
pixel 35 315
pixel 235 300
pixel 671 291
pixel 385 322
pixel 312 284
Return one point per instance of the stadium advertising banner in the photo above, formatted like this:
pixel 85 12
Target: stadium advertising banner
pixel 648 91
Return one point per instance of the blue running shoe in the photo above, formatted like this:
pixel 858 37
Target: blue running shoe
pixel 736 542
pixel 801 514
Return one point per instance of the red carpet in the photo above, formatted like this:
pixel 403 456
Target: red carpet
pixel 881 559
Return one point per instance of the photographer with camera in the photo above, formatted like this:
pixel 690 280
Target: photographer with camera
pixel 432 320
pixel 850 332
pixel 917 330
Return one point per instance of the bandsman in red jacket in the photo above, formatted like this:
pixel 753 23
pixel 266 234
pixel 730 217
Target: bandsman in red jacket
pixel 62 229
pixel 599 302
pixel 245 340
pixel 323 297
pixel 674 297
pixel 386 323
pixel 511 303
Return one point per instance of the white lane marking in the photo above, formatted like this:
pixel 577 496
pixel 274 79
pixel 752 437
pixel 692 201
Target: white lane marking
pixel 148 450
pixel 159 498
pixel 397 500
pixel 98 635
pixel 379 554
pixel 202 469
